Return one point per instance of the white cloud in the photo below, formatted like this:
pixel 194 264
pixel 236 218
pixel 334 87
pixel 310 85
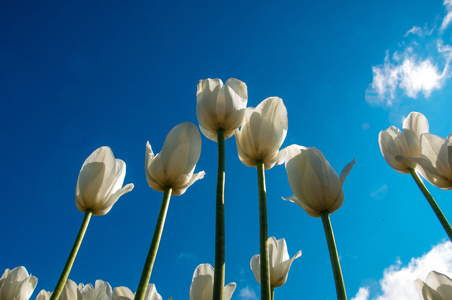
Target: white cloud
pixel 419 66
pixel 363 294
pixel 185 257
pixel 247 294
pixel 448 17
pixel 398 280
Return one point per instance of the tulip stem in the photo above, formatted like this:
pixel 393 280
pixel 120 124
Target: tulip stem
pixel 273 293
pixel 264 266
pixel 70 261
pixel 150 259
pixel 220 253
pixel 340 288
pixel 432 202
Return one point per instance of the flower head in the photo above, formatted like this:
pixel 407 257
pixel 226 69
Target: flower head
pixel 435 161
pixel 279 260
pixel 394 143
pixel 99 183
pixel 220 106
pixel 100 291
pixel 202 284
pixel 262 133
pixel 315 184
pixel 175 164
pixel 437 287
pixel 17 284
pixel 124 293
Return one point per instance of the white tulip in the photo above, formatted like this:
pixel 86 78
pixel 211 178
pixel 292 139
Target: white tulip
pixel 17 284
pixel 262 133
pixel 100 291
pixel 394 143
pixel 202 284
pixel 174 165
pixel 435 161
pixel 437 287
pixel 220 106
pixel 99 183
pixel 124 293
pixel 279 262
pixel 315 184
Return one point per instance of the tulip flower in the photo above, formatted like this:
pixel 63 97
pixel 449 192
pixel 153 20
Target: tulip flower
pixel 17 284
pixel 220 106
pixel 262 133
pixel 99 186
pixel 315 184
pixel 170 171
pixel 394 143
pixel 318 190
pixel 280 262
pixel 436 160
pixel 124 293
pixel 100 291
pixel 220 110
pixel 437 287
pixel 174 165
pixel 99 183
pixel 202 284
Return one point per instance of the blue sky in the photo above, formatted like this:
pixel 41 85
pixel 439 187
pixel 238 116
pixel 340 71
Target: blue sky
pixel 77 76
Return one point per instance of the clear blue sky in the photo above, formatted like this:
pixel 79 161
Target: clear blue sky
pixel 75 76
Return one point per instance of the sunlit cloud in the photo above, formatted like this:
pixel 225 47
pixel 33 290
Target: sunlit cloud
pixel 247 294
pixel 398 280
pixel 419 66
pixel 363 294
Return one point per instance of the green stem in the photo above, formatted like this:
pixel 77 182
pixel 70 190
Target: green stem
pixel 264 266
pixel 70 261
pixel 432 202
pixel 150 259
pixel 220 253
pixel 273 293
pixel 340 288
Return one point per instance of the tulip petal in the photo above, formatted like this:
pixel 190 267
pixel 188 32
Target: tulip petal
pixel 255 266
pixel 122 293
pixel 416 122
pixel 229 290
pixel 347 170
pixel 194 177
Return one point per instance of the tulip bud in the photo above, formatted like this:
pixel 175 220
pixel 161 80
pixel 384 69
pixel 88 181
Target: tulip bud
pixel 394 143
pixel 315 183
pixel 201 287
pixel 220 106
pixel 279 260
pixel 262 133
pixel 175 164
pixel 99 183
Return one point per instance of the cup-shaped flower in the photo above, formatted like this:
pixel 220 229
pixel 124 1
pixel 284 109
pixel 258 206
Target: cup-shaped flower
pixel 394 143
pixel 70 292
pixel 17 284
pixel 202 284
pixel 100 291
pixel 124 293
pixel 315 184
pixel 435 161
pixel 437 287
pixel 220 106
pixel 279 262
pixel 99 183
pixel 262 133
pixel 175 164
